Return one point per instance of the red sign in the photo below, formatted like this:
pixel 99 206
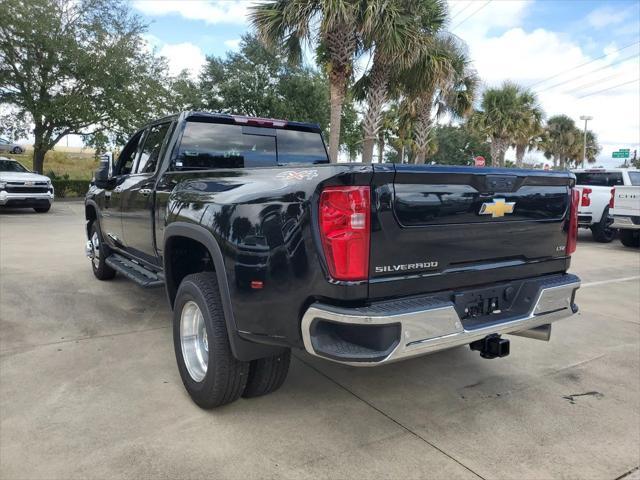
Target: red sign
pixel 479 161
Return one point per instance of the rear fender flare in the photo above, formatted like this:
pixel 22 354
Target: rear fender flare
pixel 241 348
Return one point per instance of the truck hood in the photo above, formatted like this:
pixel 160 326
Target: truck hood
pixel 22 177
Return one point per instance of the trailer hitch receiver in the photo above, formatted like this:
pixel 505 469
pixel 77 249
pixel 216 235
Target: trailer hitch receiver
pixel 491 346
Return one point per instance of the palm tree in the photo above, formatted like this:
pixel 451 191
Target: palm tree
pixel 561 140
pixel 441 81
pixel 500 117
pixel 285 24
pixel 529 129
pixel 395 31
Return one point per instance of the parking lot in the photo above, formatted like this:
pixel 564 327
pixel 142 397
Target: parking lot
pixel 89 386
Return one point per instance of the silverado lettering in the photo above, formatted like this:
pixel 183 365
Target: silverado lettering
pixel 409 266
pixel 262 245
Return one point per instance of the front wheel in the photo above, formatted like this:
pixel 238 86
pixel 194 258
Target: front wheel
pixel 630 238
pixel 211 374
pixel 17 150
pixel 99 253
pixel 43 209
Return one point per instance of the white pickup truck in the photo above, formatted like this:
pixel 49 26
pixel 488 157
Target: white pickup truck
pixel 596 186
pixel 625 209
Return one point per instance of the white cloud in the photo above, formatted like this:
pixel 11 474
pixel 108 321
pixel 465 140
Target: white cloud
pixel 181 56
pixel 606 16
pixel 233 44
pixel 481 17
pixel 502 50
pixel 230 11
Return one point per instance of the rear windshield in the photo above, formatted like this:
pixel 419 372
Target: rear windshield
pixel 599 179
pixel 215 145
pixel 634 177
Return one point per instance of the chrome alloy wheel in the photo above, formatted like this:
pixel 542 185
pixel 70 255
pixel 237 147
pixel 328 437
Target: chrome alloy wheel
pixel 193 340
pixel 95 250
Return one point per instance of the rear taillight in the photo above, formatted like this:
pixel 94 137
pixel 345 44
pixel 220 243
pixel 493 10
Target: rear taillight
pixel 344 220
pixel 572 231
pixel 586 200
pixel 612 200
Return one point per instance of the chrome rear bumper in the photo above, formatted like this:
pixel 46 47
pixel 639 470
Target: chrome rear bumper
pixel 624 222
pixel 422 328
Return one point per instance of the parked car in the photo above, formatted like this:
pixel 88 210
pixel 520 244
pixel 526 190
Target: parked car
pixel 7 146
pixel 595 186
pixel 20 187
pixel 262 245
pixel 625 209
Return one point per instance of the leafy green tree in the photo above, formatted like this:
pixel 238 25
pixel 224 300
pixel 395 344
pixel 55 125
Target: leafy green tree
pixel 333 24
pixel 259 82
pixel 351 134
pixel 500 117
pixel 76 67
pixel 458 145
pixel 185 93
pixel 395 31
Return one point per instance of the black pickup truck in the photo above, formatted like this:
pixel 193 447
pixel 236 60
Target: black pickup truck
pixel 262 245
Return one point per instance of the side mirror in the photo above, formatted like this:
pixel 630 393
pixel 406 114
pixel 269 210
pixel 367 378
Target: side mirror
pixel 104 173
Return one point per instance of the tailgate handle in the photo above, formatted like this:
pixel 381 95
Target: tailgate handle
pixel 501 183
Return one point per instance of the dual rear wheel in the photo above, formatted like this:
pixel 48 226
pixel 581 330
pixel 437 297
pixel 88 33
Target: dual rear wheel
pixel 211 374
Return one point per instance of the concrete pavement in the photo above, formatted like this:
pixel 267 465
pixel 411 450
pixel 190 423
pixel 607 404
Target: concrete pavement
pixel 89 387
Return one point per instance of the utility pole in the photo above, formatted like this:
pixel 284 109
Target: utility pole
pixel 586 118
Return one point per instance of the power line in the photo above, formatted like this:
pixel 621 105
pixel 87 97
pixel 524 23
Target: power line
pixel 610 88
pixel 588 73
pixel 582 64
pixel 472 14
pixel 590 84
pixel 462 10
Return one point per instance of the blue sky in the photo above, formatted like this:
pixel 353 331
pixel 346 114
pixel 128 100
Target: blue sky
pixel 527 41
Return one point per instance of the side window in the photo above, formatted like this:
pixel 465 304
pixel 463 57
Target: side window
pixel 615 178
pixel 128 155
pixel 151 149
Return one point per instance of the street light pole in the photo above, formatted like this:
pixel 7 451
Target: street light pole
pixel 586 118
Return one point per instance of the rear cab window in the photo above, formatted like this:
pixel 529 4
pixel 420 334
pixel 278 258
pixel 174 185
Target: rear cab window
pixel 599 179
pixel 634 178
pixel 207 145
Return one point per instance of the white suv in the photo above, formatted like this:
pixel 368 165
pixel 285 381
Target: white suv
pixel 596 187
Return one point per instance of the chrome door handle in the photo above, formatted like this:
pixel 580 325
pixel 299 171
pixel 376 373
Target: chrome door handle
pixel 145 192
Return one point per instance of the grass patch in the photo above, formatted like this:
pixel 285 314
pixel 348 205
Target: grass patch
pixel 77 163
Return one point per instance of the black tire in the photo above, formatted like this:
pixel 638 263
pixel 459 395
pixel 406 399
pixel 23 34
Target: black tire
pixel 601 231
pixel 100 269
pixel 42 209
pixel 17 150
pixel 630 238
pixel 226 377
pixel 267 375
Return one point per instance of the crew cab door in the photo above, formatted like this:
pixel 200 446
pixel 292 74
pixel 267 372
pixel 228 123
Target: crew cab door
pixel 111 221
pixel 138 194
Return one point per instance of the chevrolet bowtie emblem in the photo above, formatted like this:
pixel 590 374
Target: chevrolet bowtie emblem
pixel 497 208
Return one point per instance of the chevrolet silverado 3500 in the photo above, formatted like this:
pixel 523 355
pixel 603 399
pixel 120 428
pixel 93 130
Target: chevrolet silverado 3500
pixel 262 246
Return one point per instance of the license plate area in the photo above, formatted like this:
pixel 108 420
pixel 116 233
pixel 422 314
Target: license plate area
pixel 481 307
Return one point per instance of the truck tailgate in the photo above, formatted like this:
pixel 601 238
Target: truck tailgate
pixel 437 227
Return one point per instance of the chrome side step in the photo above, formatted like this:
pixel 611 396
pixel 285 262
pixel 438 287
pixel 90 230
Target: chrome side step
pixel 134 271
